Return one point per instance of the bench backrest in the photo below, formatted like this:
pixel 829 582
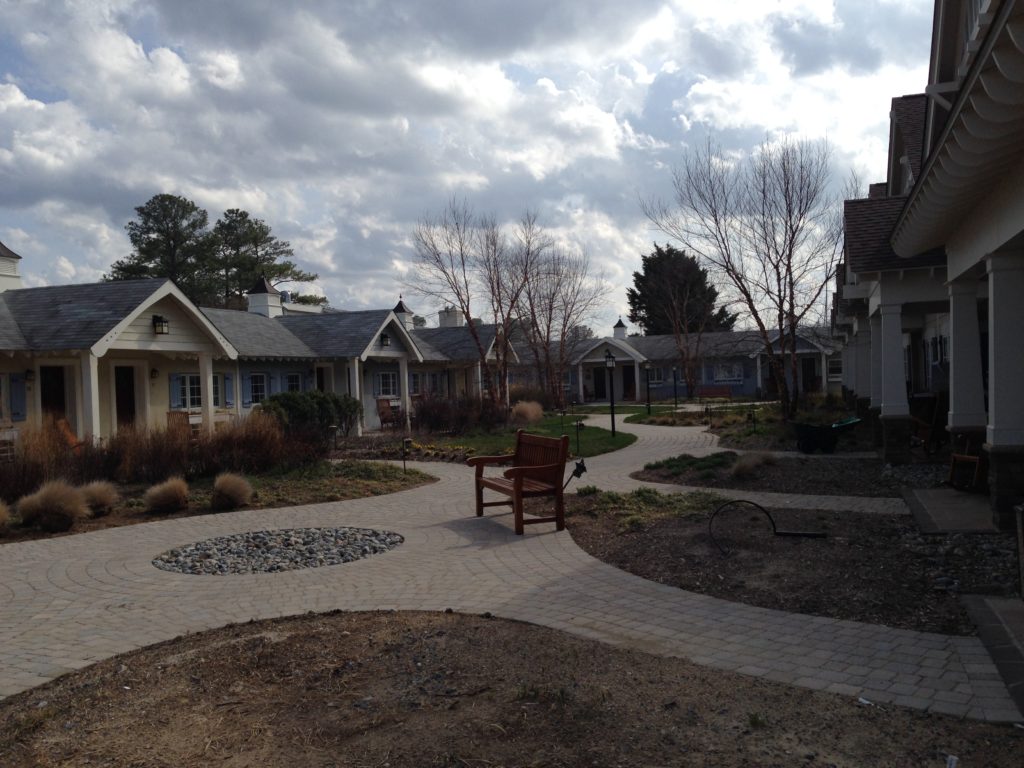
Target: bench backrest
pixel 537 451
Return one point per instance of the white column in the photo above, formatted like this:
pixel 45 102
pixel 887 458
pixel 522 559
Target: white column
pixel 206 388
pixel 1005 350
pixel 637 380
pixel 966 393
pixel 894 378
pixel 89 423
pixel 850 365
pixel 876 361
pixel 824 372
pixel 403 375
pixel 357 383
pixel 760 382
pixel 479 380
pixel 862 354
pixel 579 382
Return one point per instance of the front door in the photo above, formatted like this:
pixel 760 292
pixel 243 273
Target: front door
pixel 600 388
pixel 52 391
pixel 810 380
pixel 124 395
pixel 629 383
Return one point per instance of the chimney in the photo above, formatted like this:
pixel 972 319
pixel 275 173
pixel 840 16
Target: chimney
pixel 619 330
pixel 449 317
pixel 264 299
pixel 403 313
pixel 9 277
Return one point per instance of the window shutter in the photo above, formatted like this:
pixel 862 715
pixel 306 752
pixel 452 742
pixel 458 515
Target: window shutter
pixel 273 383
pixel 376 385
pixel 308 381
pixel 246 391
pixel 175 391
pixel 19 411
pixel 229 391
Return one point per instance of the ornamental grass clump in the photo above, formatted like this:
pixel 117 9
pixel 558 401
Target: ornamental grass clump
pixel 169 496
pixel 230 491
pixel 5 518
pixel 747 464
pixel 54 508
pixel 527 412
pixel 100 496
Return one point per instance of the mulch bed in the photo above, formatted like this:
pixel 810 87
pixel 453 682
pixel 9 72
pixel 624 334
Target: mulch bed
pixel 408 689
pixel 800 474
pixel 873 568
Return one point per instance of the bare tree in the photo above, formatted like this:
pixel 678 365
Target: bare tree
pixel 560 296
pixel 767 228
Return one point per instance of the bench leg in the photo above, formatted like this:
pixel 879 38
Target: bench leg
pixel 559 512
pixel 517 508
pixel 479 500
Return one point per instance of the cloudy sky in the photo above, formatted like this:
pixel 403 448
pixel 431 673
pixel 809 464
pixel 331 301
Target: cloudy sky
pixel 343 123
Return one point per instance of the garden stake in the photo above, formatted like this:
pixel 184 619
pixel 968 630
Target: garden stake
pixel 581 467
pixel 406 450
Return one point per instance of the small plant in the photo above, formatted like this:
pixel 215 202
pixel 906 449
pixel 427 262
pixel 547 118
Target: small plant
pixel 647 496
pixel 100 497
pixel 527 412
pixel 756 720
pixel 54 508
pixel 166 497
pixel 587 490
pixel 230 491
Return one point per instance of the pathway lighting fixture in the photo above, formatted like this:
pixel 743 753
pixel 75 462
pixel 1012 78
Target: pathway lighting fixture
pixel 406 450
pixel 609 361
pixel 675 391
pixel 647 371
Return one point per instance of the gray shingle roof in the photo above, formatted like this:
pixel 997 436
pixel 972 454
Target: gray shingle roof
pixel 69 317
pixel 254 335
pixel 869 225
pixel 7 252
pixel 455 344
pixel 909 114
pixel 336 334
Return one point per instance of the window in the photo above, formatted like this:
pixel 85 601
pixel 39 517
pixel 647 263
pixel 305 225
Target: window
pixel 657 375
pixel 835 369
pixel 293 382
pixel 435 383
pixel 387 384
pixel 415 383
pixel 257 387
pixel 729 372
pixel 190 390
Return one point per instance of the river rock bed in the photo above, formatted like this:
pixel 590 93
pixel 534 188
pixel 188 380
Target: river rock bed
pixel 275 551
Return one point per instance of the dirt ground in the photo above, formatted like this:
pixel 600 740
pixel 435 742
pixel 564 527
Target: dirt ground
pixel 392 689
pixel 873 568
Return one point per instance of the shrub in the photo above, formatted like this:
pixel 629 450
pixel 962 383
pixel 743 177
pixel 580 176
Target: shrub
pixel 535 394
pixel 435 414
pixel 100 496
pixel 230 491
pixel 747 464
pixel 169 496
pixel 587 490
pixel 304 413
pixel 149 456
pixel 527 412
pixel 54 508
pixel 5 517
pixel 253 444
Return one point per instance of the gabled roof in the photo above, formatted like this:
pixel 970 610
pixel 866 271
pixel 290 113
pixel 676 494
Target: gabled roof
pixel 69 317
pixel 454 344
pixel 341 334
pixel 868 224
pixel 7 253
pixel 257 336
pixel 909 114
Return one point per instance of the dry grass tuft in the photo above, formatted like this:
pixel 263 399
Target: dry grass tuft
pixel 101 496
pixel 527 412
pixel 5 518
pixel 166 497
pixel 230 491
pixel 747 464
pixel 54 508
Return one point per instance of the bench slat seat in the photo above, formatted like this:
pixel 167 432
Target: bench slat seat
pixel 538 466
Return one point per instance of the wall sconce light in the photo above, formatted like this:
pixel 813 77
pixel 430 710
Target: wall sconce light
pixel 30 375
pixel 385 340
pixel 154 374
pixel 160 325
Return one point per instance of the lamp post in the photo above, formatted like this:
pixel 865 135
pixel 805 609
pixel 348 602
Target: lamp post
pixel 647 372
pixel 675 392
pixel 609 361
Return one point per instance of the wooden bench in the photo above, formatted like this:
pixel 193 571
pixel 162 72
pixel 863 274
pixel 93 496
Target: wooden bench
pixel 538 465
pixel 709 391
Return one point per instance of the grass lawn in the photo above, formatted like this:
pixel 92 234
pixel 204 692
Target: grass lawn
pixel 621 409
pixel 593 440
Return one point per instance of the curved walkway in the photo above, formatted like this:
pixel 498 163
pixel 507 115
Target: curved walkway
pixel 68 602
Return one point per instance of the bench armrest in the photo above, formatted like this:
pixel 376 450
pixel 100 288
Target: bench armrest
pixel 480 461
pixel 515 472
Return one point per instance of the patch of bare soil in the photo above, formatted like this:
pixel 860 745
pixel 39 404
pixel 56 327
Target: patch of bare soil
pixel 797 474
pixel 451 690
pixel 873 568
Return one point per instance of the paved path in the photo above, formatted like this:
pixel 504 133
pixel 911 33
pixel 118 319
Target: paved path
pixel 67 602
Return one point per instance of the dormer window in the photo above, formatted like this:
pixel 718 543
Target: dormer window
pixel 385 340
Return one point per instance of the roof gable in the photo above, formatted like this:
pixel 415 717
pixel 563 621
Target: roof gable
pixel 868 227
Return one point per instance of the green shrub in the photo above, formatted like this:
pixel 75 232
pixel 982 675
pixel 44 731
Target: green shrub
pixel 230 491
pixel 54 508
pixel 587 490
pixel 314 413
pixel 100 496
pixel 166 497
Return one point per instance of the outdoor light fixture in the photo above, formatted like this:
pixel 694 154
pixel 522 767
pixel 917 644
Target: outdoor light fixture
pixel 30 375
pixel 609 361
pixel 675 392
pixel 385 340
pixel 154 373
pixel 647 370
pixel 161 326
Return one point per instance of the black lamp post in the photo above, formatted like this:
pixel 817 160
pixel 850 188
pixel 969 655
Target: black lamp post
pixel 609 361
pixel 647 371
pixel 675 392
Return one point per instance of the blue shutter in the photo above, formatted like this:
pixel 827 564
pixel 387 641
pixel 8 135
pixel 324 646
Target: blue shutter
pixel 309 381
pixel 273 383
pixel 246 391
pixel 175 391
pixel 229 391
pixel 19 411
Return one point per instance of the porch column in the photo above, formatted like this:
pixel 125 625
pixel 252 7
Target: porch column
pixel 206 389
pixel 760 383
pixel 403 375
pixel 636 381
pixel 894 379
pixel 1005 360
pixel 824 372
pixel 479 380
pixel 966 396
pixel 357 393
pixel 579 383
pixel 876 361
pixel 89 423
pixel 862 368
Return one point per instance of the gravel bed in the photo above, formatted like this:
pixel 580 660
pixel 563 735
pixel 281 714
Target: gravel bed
pixel 275 551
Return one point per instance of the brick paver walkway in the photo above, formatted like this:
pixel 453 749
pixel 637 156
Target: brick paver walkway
pixel 67 602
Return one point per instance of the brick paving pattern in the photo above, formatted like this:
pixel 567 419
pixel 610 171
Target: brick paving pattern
pixel 68 602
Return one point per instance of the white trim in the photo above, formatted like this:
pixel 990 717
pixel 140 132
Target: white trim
pixel 410 344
